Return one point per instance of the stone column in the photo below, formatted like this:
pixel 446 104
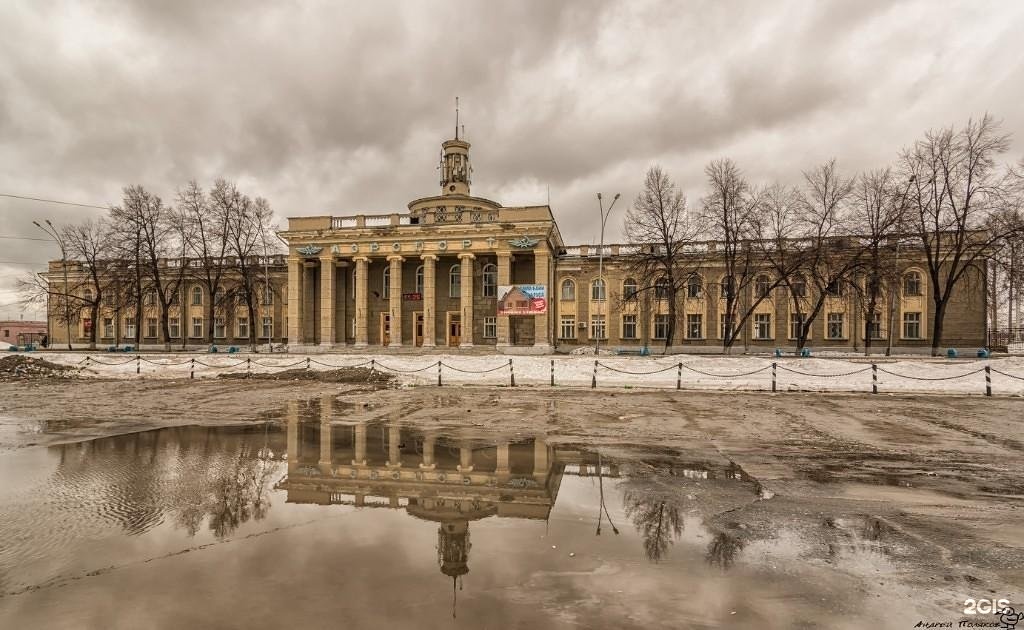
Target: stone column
pixel 502 469
pixel 466 299
pixel 465 459
pixel 428 452
pixel 362 301
pixel 394 439
pixel 360 459
pixel 540 458
pixel 327 297
pixel 541 267
pixel 395 300
pixel 294 304
pixel 308 303
pixel 326 445
pixel 429 300
pixel 504 279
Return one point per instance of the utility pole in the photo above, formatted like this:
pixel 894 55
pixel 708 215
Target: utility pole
pixel 600 266
pixel 54 235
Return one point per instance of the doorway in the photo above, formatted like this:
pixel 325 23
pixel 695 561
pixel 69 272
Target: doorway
pixel 417 328
pixel 454 329
pixel 385 329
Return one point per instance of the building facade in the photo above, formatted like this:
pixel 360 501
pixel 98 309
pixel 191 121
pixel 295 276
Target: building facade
pixel 444 273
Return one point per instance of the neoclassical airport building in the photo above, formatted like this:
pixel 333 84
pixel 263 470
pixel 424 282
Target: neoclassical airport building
pixel 459 271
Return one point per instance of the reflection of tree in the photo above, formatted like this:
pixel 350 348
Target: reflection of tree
pixel 657 517
pixel 239 494
pixel 723 549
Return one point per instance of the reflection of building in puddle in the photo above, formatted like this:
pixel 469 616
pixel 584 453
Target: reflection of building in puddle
pixel 447 480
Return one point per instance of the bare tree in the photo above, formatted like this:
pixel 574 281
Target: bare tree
pixel 777 226
pixel 665 232
pixel 955 186
pixel 209 226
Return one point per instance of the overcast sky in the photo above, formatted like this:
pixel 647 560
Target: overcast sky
pixel 339 107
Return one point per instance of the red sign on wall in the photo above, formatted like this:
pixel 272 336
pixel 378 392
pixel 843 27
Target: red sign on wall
pixel 412 297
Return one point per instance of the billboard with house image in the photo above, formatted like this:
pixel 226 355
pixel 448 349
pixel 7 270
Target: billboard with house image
pixel 522 299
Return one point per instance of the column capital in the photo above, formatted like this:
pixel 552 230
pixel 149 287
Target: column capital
pixel 327 257
pixel 503 254
pixel 365 259
pixel 396 257
pixel 466 256
pixel 428 257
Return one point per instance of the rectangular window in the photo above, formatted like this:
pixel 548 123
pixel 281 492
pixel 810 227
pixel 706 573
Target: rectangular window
pixel 268 327
pixel 567 330
pixel 661 326
pixel 725 326
pixel 197 327
pixel 174 327
pixel 629 326
pixel 243 328
pixel 835 326
pixel 762 326
pixel 490 328
pixel 108 327
pixel 7 332
pixel 129 328
pixel 151 327
pixel 875 326
pixel 694 326
pixel 268 296
pixel 796 324
pixel 219 328
pixel 598 330
pixel 911 325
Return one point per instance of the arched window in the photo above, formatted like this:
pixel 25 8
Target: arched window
pixel 490 280
pixel 762 286
pixel 568 289
pixel 197 296
pixel 694 286
pixel 629 289
pixel 386 283
pixel 662 288
pixel 798 286
pixel 597 289
pixel 455 281
pixel 87 295
pixel 911 283
pixel 268 295
pixel 419 279
pixel 728 287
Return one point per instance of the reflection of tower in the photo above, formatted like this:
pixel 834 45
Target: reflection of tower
pixel 453 552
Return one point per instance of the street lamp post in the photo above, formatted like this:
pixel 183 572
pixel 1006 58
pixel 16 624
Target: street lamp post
pixel 600 266
pixel 55 236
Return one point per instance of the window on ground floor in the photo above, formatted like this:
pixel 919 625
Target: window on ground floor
pixel 874 326
pixel 129 328
pixel 796 325
pixel 151 327
pixel 197 327
pixel 835 326
pixel 912 325
pixel 219 328
pixel 629 326
pixel 567 329
pixel 762 326
pixel 490 328
pixel 598 329
pixel 243 328
pixel 694 326
pixel 726 327
pixel 108 327
pixel 661 326
pixel 268 328
pixel 174 327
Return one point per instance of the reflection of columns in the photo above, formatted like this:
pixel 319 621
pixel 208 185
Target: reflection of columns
pixel 504 279
pixel 540 457
pixel 308 302
pixel 294 302
pixel 465 459
pixel 394 439
pixel 293 432
pixel 429 299
pixel 541 267
pixel 428 452
pixel 360 459
pixel 502 469
pixel 466 300
pixel 362 301
pixel 395 300
pixel 327 292
pixel 326 445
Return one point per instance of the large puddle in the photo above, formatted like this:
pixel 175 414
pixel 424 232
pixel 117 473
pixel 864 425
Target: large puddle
pixel 310 521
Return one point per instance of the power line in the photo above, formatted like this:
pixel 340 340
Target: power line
pixel 63 203
pixel 27 238
pixel 21 262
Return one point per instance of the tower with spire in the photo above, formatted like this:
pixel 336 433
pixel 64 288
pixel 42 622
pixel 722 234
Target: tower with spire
pixel 455 168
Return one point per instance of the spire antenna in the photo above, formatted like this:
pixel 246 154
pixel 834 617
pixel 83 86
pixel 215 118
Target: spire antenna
pixel 456 117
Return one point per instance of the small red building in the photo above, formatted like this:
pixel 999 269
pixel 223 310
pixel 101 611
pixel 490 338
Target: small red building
pixel 19 332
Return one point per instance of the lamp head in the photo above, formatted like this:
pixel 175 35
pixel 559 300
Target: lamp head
pixel 616 196
pixel 598 195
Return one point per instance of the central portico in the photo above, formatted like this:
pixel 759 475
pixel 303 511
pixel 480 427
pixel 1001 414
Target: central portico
pixel 426 278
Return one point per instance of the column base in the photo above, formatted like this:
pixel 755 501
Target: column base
pixel 464 469
pixel 326 344
pixel 546 348
pixel 468 344
pixel 502 344
pixel 358 463
pixel 395 345
pixel 428 345
pixel 428 466
pixel 395 465
pixel 361 344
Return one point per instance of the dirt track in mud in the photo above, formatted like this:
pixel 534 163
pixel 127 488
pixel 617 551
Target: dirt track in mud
pixel 935 483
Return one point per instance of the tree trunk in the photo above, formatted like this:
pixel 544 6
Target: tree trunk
pixel 940 312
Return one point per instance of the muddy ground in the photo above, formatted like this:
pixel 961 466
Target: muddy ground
pixel 937 482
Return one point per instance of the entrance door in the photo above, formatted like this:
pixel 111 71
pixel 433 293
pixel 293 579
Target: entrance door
pixel 417 329
pixel 385 329
pixel 454 329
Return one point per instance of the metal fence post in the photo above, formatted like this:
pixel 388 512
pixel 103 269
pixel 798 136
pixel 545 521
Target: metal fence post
pixel 439 374
pixel 774 365
pixel 988 380
pixel 593 381
pixel 248 366
pixel 192 369
pixel 552 372
pixel 874 378
pixel 138 364
pixel 679 376
pixel 372 365
pixel 307 363
pixel 511 374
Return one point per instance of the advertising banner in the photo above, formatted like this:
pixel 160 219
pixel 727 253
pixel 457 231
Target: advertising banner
pixel 522 299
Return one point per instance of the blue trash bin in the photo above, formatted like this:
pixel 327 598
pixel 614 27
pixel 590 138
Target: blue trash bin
pixel 805 352
pixel 951 353
pixel 983 353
